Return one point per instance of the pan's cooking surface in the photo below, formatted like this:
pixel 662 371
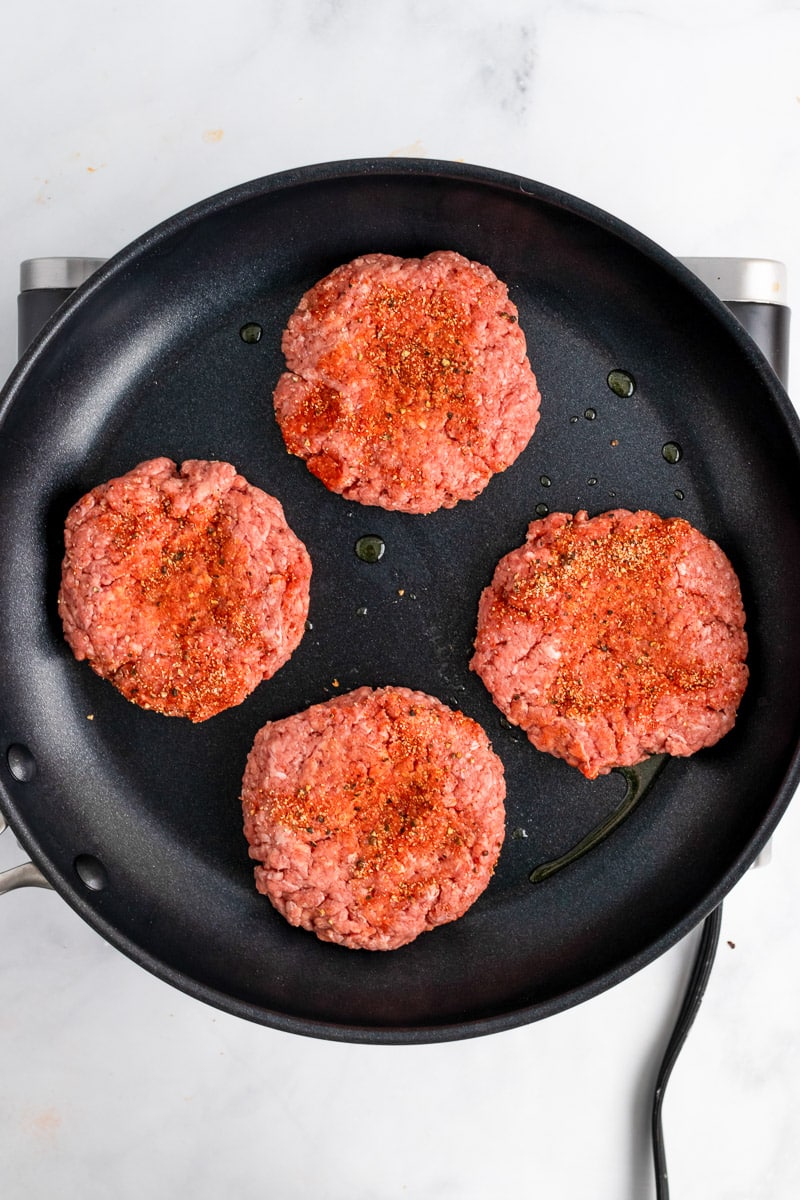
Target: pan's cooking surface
pixel 150 360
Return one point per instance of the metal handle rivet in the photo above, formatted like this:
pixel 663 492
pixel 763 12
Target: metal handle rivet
pixel 21 762
pixel 91 872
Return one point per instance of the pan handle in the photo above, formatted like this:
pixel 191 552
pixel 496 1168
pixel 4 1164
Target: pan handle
pixel 754 289
pixel 25 875
pixel 44 284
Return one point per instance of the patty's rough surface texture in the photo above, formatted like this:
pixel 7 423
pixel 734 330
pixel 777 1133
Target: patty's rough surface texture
pixel 374 816
pixel 183 587
pixel 408 384
pixel 612 638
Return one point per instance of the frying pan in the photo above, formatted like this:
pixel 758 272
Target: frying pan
pixel 134 818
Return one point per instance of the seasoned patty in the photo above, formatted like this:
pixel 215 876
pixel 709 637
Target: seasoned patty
pixel 408 384
pixel 183 587
pixel 612 638
pixel 373 817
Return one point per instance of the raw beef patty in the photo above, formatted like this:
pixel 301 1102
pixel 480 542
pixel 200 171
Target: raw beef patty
pixel 183 587
pixel 373 817
pixel 408 384
pixel 612 638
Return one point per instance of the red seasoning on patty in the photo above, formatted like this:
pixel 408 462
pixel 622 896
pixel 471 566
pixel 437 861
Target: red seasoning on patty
pixel 408 384
pixel 185 588
pixel 612 638
pixel 373 817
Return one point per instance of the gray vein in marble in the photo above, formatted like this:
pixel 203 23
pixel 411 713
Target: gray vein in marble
pixel 507 67
pixel 496 51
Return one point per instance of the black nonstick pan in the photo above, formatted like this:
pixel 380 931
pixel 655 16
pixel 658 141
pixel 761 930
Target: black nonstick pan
pixel 134 817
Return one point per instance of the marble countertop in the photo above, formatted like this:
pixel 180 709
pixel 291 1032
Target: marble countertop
pixel 683 120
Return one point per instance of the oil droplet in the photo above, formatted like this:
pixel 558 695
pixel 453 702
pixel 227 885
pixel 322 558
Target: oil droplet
pixel 541 510
pixel 309 626
pixel 591 482
pixel 638 779
pixel 251 333
pixel 621 383
pixel 361 612
pixel 590 414
pixel 519 834
pixel 370 548
pixel 573 420
pixel 679 495
pixel 545 480
pixel 672 452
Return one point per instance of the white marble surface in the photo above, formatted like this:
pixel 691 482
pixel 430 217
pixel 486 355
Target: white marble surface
pixel 684 120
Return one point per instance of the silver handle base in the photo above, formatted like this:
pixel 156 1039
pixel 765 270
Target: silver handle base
pixel 25 875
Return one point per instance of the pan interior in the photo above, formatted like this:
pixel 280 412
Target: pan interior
pixel 150 361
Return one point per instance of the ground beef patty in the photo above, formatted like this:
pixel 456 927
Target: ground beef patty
pixel 374 817
pixel 408 384
pixel 184 588
pixel 612 638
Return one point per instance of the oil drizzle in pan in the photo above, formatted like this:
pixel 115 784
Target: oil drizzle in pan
pixel 639 779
